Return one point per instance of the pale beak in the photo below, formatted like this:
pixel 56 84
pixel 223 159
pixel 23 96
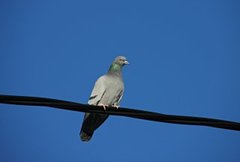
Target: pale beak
pixel 126 62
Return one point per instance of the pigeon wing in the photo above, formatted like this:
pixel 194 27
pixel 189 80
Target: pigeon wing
pixel 92 121
pixel 97 92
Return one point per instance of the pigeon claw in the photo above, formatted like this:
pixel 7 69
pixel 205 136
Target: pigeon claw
pixel 116 106
pixel 104 106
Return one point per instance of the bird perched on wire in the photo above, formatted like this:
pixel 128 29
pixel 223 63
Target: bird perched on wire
pixel 108 91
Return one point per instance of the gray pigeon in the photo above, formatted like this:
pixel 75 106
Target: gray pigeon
pixel 107 91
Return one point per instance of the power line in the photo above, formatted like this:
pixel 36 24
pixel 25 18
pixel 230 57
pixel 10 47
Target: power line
pixel 133 113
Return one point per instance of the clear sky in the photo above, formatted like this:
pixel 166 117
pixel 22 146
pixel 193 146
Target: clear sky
pixel 184 59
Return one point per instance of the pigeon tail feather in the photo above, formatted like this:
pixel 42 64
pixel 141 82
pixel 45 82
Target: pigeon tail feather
pixel 85 137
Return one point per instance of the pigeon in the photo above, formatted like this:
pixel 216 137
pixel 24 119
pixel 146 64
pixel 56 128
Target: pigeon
pixel 107 92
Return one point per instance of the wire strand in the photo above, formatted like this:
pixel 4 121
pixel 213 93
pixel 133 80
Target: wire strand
pixel 127 112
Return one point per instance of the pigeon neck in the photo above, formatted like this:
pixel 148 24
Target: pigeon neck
pixel 115 68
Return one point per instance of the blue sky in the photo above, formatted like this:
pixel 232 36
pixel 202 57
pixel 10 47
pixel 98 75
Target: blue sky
pixel 184 59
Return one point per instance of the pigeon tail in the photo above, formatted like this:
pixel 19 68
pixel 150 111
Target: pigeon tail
pixel 85 137
pixel 91 122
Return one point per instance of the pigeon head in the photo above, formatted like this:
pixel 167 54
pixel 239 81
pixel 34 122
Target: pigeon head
pixel 118 63
pixel 121 60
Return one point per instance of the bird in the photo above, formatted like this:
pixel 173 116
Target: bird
pixel 107 92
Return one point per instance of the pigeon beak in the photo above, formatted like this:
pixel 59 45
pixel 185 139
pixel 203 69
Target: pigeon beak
pixel 126 62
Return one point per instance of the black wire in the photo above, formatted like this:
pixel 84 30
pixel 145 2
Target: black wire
pixel 133 113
